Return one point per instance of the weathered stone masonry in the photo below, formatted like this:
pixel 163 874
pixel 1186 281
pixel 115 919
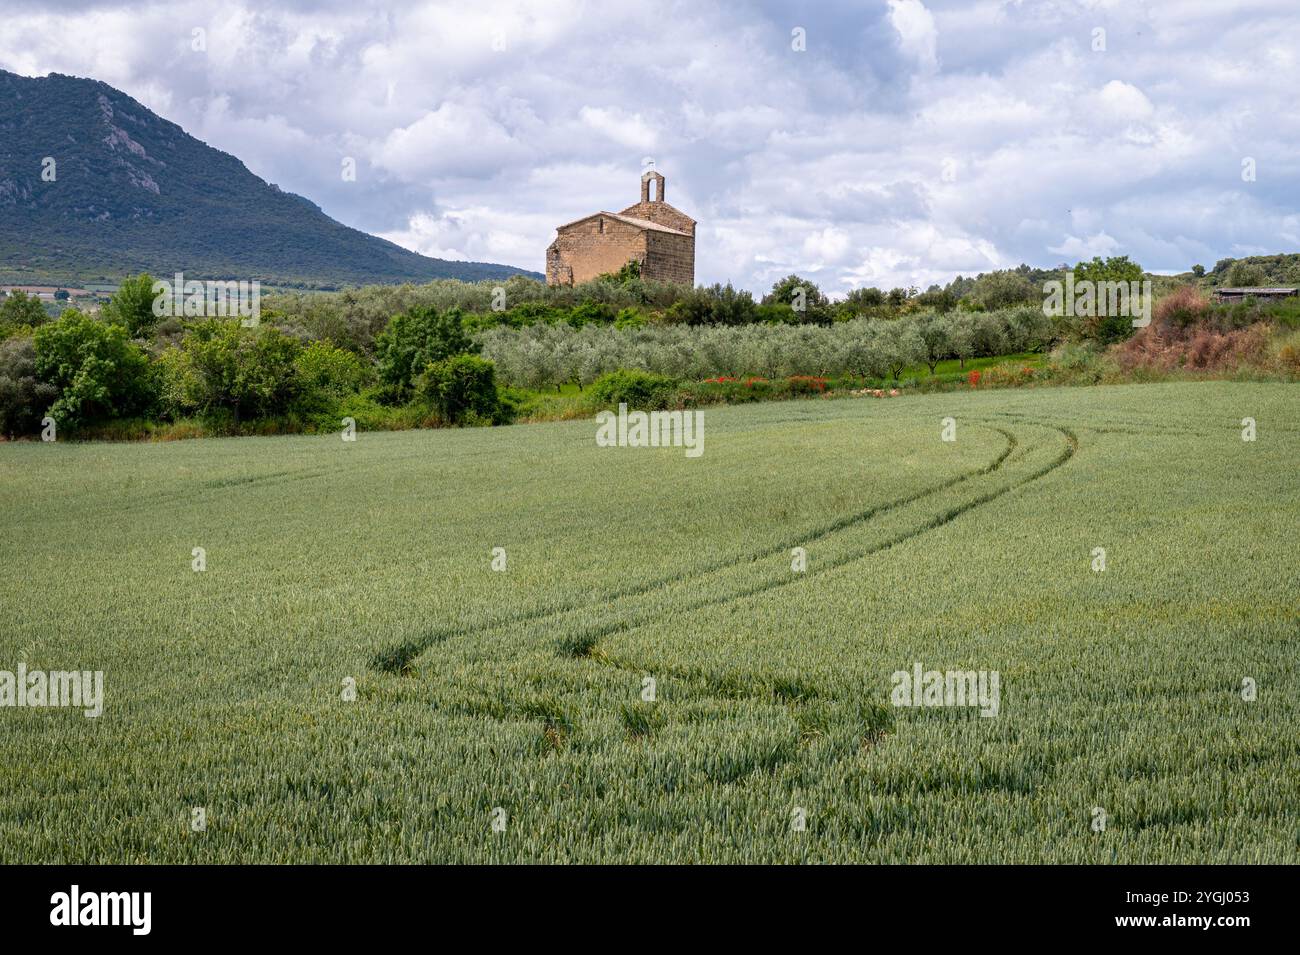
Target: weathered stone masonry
pixel 659 237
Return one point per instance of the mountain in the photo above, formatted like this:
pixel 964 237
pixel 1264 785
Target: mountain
pixel 134 192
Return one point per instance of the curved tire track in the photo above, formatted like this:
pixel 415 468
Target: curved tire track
pixel 398 659
pixel 810 707
pixel 585 640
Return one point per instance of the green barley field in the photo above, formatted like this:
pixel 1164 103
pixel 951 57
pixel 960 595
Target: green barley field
pixel 499 714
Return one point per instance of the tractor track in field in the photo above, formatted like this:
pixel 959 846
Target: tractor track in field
pixel 874 722
pixel 816 713
pixel 1138 428
pixel 185 495
pixel 592 636
pixel 193 483
pixel 398 659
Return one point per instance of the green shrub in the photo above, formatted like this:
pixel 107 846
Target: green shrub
pixel 371 414
pixel 1110 329
pixel 327 373
pixel 1029 329
pixel 222 366
pixel 631 270
pixel 797 291
pixel 590 313
pixel 1245 274
pixel 1283 312
pixel 24 398
pixel 518 316
pixel 1074 356
pixel 132 306
pixel 642 390
pixel 20 310
pixel 630 317
pixel 693 308
pixel 414 340
pixel 98 372
pixel 463 390
pixel 326 367
pixel 776 313
pixel 1077 362
pixel 1004 289
pixel 714 305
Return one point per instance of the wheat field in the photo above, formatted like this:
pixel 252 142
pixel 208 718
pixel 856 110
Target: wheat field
pixel 645 676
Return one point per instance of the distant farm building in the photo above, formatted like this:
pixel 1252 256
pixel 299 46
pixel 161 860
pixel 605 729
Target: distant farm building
pixel 1241 294
pixel 652 233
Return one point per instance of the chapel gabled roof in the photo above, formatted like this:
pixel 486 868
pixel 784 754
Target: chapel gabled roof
pixel 629 220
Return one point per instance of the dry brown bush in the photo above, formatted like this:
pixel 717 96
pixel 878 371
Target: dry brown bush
pixel 1168 346
pixel 1181 308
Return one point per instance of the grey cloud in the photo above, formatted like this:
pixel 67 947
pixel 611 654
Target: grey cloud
pixel 991 134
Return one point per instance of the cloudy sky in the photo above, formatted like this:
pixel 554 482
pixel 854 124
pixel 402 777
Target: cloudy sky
pixel 857 142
